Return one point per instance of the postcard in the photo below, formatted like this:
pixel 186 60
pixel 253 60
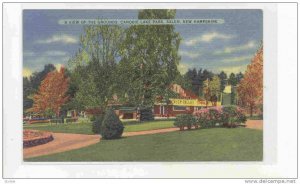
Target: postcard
pixel 142 85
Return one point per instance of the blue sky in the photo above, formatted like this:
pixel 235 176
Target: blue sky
pixel 217 47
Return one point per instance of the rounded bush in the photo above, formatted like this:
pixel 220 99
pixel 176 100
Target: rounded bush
pixel 146 114
pixel 112 127
pixel 233 116
pixel 97 123
pixel 184 120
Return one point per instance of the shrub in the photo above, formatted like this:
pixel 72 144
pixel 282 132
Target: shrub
pixel 233 116
pixel 241 117
pixel 228 116
pixel 209 117
pixel 184 120
pixel 146 114
pixel 112 127
pixel 83 120
pixel 97 123
pixel 71 120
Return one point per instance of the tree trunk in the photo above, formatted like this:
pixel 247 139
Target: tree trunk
pixel 251 110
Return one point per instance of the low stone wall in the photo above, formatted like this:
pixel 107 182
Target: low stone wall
pixel 35 137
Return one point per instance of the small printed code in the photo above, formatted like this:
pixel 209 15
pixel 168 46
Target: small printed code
pixel 271 181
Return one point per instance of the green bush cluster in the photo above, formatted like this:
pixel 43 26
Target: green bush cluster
pixel 185 120
pixel 146 114
pixel 233 116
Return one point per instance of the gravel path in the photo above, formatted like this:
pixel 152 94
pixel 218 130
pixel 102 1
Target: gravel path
pixel 254 124
pixel 128 134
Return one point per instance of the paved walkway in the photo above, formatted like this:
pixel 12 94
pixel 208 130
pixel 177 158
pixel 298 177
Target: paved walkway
pixel 254 124
pixel 62 142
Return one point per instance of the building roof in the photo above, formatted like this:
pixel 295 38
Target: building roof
pixel 184 93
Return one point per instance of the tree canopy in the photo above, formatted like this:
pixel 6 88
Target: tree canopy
pixel 51 94
pixel 250 89
pixel 149 58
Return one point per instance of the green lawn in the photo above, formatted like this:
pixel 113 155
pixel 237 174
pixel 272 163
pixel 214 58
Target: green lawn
pixel 86 128
pixel 216 144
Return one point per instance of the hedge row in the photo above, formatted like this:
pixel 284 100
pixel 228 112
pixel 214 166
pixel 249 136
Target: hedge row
pixel 227 116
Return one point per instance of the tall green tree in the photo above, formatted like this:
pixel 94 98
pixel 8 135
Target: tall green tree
pixel 239 77
pixel 149 58
pixel 223 78
pixel 212 89
pixel 94 67
pixel 232 79
pixel 215 85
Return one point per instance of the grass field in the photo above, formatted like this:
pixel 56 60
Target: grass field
pixel 216 144
pixel 86 128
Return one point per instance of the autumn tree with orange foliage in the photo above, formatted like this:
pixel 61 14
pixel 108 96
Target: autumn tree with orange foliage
pixel 51 94
pixel 250 89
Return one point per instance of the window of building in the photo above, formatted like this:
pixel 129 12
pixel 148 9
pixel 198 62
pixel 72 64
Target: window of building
pixel 179 108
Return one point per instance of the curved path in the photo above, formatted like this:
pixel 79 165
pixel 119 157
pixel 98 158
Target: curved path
pixel 62 142
pixel 254 124
pixel 145 132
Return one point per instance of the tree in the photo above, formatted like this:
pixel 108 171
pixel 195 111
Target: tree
pixel 27 91
pixel 51 94
pixel 232 79
pixel 223 78
pixel 211 89
pixel 37 77
pixel 215 85
pixel 183 81
pixel 31 85
pixel 250 89
pixel 239 77
pixel 149 59
pixel 112 127
pixel 94 67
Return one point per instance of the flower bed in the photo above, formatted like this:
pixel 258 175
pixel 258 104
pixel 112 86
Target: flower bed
pixel 35 137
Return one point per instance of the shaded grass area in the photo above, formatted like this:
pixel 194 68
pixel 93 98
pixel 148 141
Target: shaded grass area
pixel 216 144
pixel 86 128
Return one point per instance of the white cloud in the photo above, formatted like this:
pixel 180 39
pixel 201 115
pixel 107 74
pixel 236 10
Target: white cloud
pixel 55 53
pixel 189 54
pixel 229 50
pixel 207 37
pixel 59 38
pixel 37 63
pixel 237 59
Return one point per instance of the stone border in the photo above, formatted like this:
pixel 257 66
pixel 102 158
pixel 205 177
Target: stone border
pixel 45 138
